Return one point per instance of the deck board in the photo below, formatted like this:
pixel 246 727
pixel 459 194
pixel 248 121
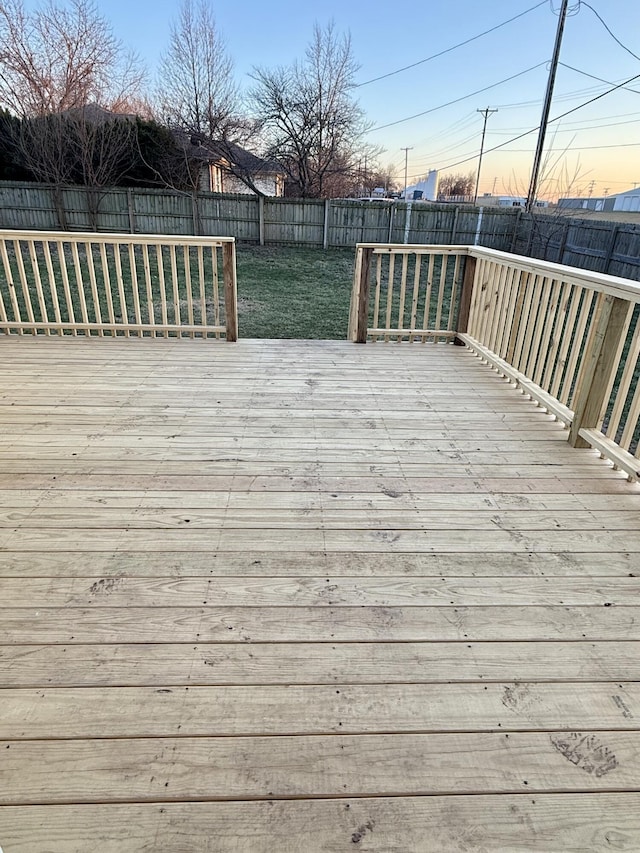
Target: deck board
pixel 312 596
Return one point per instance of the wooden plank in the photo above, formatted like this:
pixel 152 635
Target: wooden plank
pixel 169 664
pixel 309 563
pixel 316 709
pixel 492 822
pixel 131 623
pixel 144 769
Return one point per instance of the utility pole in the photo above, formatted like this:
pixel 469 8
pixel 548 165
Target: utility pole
pixel 406 168
pixel 486 113
pixel 546 108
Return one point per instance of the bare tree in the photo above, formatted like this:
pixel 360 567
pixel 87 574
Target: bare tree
pixel 59 58
pixel 456 185
pixel 312 124
pixel 197 93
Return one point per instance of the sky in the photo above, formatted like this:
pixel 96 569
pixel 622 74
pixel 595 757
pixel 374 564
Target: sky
pixel 594 150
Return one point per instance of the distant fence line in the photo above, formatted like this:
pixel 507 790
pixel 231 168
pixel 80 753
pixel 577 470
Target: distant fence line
pixel 601 246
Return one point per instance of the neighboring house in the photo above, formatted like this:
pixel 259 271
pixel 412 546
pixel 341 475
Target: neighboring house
pixel 223 165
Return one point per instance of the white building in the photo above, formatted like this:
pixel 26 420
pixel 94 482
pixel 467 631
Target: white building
pixel 628 200
pixel 426 190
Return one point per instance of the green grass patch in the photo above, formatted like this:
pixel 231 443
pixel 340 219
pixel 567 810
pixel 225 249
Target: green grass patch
pixel 292 292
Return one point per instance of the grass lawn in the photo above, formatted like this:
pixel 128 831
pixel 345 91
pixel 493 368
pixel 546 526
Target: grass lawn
pixel 292 292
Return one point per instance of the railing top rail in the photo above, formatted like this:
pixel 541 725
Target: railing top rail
pixel 601 282
pixel 610 284
pixel 122 238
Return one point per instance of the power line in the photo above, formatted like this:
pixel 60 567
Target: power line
pixel 457 100
pixel 593 77
pixel 613 36
pixel 551 121
pixel 452 48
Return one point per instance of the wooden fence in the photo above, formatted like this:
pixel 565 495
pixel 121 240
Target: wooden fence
pixel 606 247
pixel 110 284
pixel 307 222
pixel 567 337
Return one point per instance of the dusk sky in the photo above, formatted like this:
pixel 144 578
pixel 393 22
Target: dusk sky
pixel 600 142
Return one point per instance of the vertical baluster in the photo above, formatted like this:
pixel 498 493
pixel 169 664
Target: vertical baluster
pixel 585 299
pixel 549 319
pixel 66 287
pixel 573 297
pixel 106 282
pixel 53 288
pixel 455 287
pixel 403 293
pixel 124 309
pixel 626 380
pixel 511 298
pixel 37 279
pixel 416 294
pixel 427 297
pixel 133 270
pixel 444 268
pixel 538 315
pixel 527 317
pixel 203 296
pixel 151 314
pixel 12 289
pixel 26 295
pixel 592 306
pixel 163 288
pixel 216 288
pixel 175 286
pixel 94 286
pixel 557 335
pixel 187 283
pixel 392 262
pixel 80 287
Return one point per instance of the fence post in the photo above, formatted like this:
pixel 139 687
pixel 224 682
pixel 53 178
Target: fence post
pixel 230 290
pixel 516 231
pixel 363 297
pixel 454 224
pixel 261 218
pixel 612 244
pixel 407 221
pixel 131 211
pixel 325 224
pixel 392 213
pixel 195 213
pixel 600 360
pixel 465 298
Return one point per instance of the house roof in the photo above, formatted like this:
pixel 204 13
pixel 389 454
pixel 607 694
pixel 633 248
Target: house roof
pixel 229 152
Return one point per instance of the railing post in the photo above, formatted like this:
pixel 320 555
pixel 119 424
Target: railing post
pixel 465 298
pixel 230 290
pixel 600 361
pixel 363 297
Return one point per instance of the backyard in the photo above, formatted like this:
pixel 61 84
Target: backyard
pixel 291 292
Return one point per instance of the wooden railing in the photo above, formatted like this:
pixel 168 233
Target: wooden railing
pixel 569 338
pixel 405 292
pixel 117 284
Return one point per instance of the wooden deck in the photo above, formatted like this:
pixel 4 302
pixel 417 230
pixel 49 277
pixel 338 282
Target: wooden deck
pixel 275 597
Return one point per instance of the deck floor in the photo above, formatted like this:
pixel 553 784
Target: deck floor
pixel 280 597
